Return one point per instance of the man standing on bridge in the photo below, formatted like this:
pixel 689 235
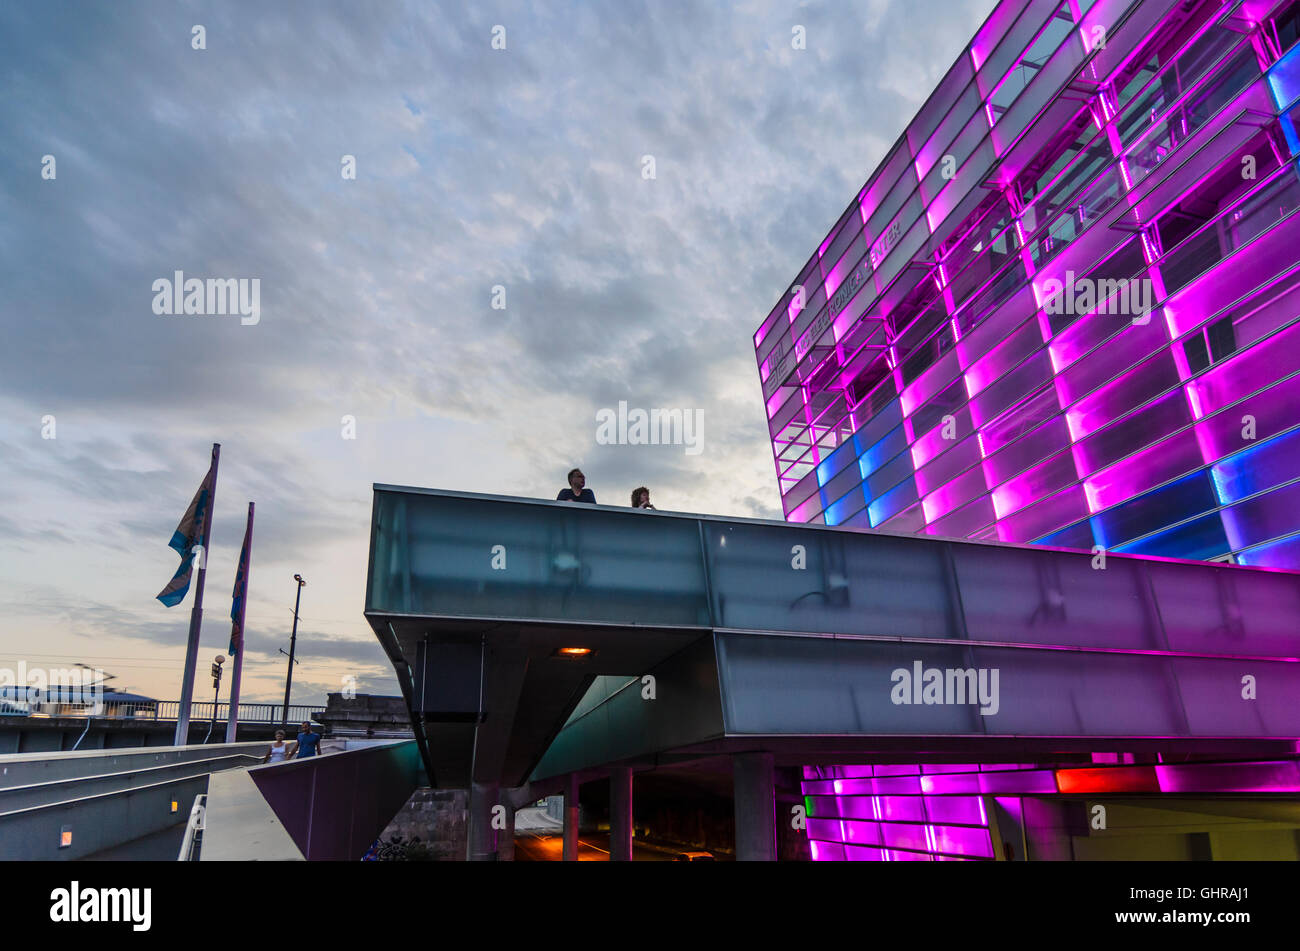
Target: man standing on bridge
pixel 308 742
pixel 577 491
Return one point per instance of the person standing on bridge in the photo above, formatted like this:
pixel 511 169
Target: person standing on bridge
pixel 280 750
pixel 577 490
pixel 308 742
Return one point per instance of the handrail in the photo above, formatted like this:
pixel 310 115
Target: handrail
pixel 193 839
pixel 89 720
pixel 127 774
pixel 105 708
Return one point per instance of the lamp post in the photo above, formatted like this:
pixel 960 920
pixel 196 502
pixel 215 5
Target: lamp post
pixel 293 641
pixel 216 691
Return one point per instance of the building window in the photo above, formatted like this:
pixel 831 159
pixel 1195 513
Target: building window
pixel 1212 344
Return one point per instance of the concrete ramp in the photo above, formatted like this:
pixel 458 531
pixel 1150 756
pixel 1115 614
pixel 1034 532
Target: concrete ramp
pixel 241 825
pixel 74 805
pixel 324 808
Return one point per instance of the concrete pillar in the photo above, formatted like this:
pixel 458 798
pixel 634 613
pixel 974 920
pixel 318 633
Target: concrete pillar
pixel 481 845
pixel 506 837
pixel 571 818
pixel 755 807
pixel 620 814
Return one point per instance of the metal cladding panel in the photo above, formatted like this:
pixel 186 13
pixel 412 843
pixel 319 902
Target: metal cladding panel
pixel 620 719
pixel 766 578
pixel 447 679
pixel 824 686
pixel 334 806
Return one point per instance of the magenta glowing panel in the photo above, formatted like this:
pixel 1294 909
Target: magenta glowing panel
pixel 1113 354
pixel 859 822
pixel 947 818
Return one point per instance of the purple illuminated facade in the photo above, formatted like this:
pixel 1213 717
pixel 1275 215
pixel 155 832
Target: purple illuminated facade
pixel 1063 310
pixel 888 813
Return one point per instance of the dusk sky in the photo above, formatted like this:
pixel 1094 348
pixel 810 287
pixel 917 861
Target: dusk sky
pixel 521 168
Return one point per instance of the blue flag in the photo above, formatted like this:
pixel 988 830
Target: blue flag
pixel 188 534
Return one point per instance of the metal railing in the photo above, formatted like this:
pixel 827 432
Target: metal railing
pixel 193 840
pixel 200 710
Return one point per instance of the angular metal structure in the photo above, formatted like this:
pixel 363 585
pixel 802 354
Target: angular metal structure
pixel 821 645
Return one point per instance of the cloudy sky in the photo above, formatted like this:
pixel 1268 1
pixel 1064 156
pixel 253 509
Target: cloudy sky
pixel 475 167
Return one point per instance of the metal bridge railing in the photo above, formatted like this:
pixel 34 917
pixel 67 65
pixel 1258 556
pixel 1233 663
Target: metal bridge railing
pixel 107 709
pixel 193 840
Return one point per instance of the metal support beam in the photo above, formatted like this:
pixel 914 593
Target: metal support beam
pixel 506 836
pixel 755 807
pixel 481 842
pixel 620 814
pixel 571 818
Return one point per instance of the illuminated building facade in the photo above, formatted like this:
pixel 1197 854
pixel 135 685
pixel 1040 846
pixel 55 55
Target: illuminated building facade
pixel 1063 310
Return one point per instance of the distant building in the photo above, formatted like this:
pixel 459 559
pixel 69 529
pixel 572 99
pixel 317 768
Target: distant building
pixel 365 715
pixel 59 700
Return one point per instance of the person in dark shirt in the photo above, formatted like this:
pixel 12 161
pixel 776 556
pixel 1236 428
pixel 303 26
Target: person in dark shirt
pixel 641 498
pixel 575 492
pixel 308 741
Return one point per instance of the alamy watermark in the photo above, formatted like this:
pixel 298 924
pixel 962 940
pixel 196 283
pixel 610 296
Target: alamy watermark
pixel 655 427
pixel 1130 298
pixel 74 904
pixel 213 296
pixel 51 690
pixel 947 685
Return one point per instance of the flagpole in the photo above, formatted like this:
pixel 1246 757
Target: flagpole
pixel 196 615
pixel 232 722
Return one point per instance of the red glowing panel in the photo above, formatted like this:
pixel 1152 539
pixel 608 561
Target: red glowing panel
pixel 1121 779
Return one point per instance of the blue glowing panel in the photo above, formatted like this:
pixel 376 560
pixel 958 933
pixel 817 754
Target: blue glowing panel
pixel 1284 79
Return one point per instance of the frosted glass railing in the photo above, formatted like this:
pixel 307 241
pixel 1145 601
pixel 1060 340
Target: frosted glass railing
pixel 468 556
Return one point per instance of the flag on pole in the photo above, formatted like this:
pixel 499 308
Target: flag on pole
pixel 241 590
pixel 237 627
pixel 188 535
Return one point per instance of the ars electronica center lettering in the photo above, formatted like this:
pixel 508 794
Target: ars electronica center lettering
pixel 849 288
pixel 885 243
pixel 812 333
pixel 846 292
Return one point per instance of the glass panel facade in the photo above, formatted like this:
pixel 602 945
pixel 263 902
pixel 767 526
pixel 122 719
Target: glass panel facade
pixel 791 686
pixel 1068 340
pixel 448 556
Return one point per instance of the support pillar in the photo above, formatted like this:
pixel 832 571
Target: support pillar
pixel 755 807
pixel 571 818
pixel 481 844
pixel 506 837
pixel 620 814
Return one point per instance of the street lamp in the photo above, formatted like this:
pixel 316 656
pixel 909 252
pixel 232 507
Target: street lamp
pixel 293 641
pixel 216 687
